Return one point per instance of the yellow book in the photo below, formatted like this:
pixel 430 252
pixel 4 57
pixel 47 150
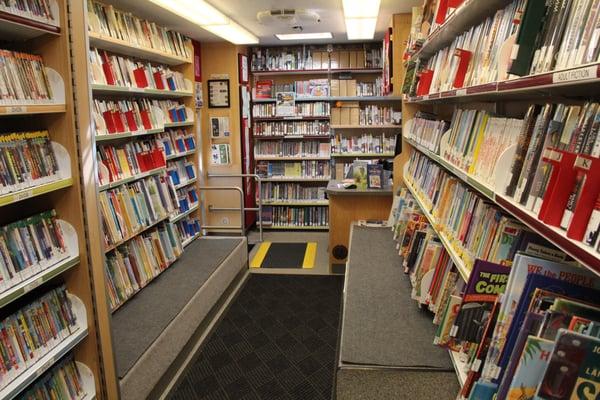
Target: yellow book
pixel 479 140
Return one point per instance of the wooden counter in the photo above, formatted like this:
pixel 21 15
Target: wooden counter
pixel 350 205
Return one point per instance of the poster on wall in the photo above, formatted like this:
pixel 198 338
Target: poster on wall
pixel 218 93
pixel 220 154
pixel 199 97
pixel 245 101
pixel 219 127
pixel 285 105
pixel 243 68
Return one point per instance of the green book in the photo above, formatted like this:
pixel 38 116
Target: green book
pixel 531 26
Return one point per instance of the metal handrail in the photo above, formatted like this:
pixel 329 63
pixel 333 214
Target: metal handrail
pixel 242 219
pixel 243 209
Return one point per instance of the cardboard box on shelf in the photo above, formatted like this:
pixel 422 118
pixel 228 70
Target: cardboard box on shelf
pixel 334 59
pixel 344 59
pixel 335 87
pixel 336 115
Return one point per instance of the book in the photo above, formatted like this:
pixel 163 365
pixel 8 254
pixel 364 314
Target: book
pixel 291 128
pixel 375 176
pixel 524 48
pixel 37 10
pixel 365 143
pixel 127 160
pixel 286 216
pixel 530 368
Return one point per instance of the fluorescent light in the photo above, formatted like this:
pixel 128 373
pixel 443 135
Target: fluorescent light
pixel 361 8
pixel 360 28
pixel 197 11
pixel 233 33
pixel 304 36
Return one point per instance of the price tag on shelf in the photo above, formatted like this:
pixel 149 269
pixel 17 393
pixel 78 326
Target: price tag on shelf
pixel 25 194
pixel 461 92
pixel 32 285
pixel 16 110
pixel 577 74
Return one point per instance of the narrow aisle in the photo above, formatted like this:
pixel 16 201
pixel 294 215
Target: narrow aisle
pixel 277 341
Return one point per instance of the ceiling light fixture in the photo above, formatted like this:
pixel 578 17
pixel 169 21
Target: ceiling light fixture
pixel 208 17
pixel 361 18
pixel 304 36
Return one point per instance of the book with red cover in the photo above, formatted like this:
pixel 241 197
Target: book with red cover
pixel 264 89
pixel 140 78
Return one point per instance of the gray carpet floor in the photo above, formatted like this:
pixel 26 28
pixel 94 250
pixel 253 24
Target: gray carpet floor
pixel 382 325
pixel 142 319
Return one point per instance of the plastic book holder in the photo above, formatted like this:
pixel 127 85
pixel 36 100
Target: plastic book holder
pixel 561 182
pixel 463 64
pixel 587 168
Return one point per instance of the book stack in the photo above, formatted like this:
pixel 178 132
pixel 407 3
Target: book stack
pixel 276 192
pixel 30 246
pixel 187 229
pixel 63 382
pixel 291 149
pixel 27 159
pixel 365 143
pixel 313 109
pixel 304 169
pixel 181 171
pixel 175 142
pixel 556 36
pixel 173 111
pixel 425 130
pixel 376 115
pixel 128 160
pixel 291 128
pixel 23 79
pixel 187 198
pixel 367 89
pixel 479 230
pixel 105 20
pixel 476 141
pixel 115 70
pixel 133 265
pixel 38 10
pixel 34 331
pixel 286 216
pixel 129 209
pixel 553 136
pixel 121 116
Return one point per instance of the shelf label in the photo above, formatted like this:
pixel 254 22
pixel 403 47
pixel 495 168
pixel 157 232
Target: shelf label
pixel 16 109
pixel 23 195
pixel 578 74
pixel 46 366
pixel 461 92
pixel 34 284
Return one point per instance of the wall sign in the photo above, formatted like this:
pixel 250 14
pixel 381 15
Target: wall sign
pixel 243 68
pixel 218 93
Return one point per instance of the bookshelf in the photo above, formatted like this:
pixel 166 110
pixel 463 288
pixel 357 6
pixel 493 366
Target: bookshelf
pixel 506 92
pixel 338 62
pixel 32 33
pixel 156 111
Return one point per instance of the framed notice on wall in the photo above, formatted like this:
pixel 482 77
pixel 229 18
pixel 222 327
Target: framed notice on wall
pixel 243 68
pixel 218 93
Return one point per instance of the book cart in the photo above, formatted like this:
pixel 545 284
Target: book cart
pixel 300 160
pixel 27 209
pixel 508 97
pixel 163 79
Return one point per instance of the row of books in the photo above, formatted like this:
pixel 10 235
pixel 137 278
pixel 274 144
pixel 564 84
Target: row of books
pixel 291 149
pixel 365 143
pixel 291 128
pixel 313 109
pixel 104 19
pixel 285 216
pixel 275 191
pixel 128 159
pixel 23 79
pixel 130 208
pixel 514 327
pixel 302 58
pixel 130 267
pixel 478 229
pixel 187 197
pixel 567 129
pixel 556 36
pixel 120 116
pixel 63 381
pixel 378 115
pixel 115 70
pixel 181 171
pixel 29 246
pixel 367 89
pixel 312 88
pixel 27 159
pixel 188 229
pixel 304 169
pixel 176 141
pixel 426 130
pixel 268 89
pixel 33 331
pixel 39 10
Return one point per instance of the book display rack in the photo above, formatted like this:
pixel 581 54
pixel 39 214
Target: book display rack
pixel 44 265
pixel 324 85
pixel 498 120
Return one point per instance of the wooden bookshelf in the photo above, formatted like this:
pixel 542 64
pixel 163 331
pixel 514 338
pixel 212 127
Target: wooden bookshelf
pixel 52 42
pixel 365 127
pixel 82 40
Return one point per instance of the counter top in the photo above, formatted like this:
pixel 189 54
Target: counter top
pixel 333 190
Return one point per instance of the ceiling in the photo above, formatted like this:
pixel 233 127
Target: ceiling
pixel 244 12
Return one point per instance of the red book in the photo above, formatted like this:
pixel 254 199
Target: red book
pixel 111 127
pixel 158 81
pixel 463 64
pixel 140 77
pixel 264 89
pixel 425 78
pixel 131 121
pixel 118 118
pixel 146 119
